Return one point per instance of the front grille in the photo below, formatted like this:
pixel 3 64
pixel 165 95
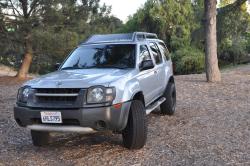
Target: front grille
pixel 58 90
pixel 57 97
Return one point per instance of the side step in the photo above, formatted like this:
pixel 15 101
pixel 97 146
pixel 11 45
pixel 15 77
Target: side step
pixel 153 106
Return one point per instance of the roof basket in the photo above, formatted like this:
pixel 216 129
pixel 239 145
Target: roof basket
pixel 125 37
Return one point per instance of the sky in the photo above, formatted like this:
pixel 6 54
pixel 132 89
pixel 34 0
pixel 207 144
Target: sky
pixel 123 8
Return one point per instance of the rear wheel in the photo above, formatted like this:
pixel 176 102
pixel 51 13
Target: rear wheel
pixel 168 106
pixel 40 138
pixel 135 133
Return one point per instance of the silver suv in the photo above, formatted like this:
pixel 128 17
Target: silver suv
pixel 110 82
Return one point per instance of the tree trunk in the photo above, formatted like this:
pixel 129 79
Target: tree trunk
pixel 24 69
pixel 212 68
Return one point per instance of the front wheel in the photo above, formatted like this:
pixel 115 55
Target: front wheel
pixel 135 133
pixel 39 138
pixel 168 106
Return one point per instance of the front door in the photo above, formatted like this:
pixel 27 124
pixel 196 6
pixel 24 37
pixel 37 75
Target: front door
pixel 148 79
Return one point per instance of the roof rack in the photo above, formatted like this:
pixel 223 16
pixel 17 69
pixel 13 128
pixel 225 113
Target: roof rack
pixel 124 37
pixel 144 35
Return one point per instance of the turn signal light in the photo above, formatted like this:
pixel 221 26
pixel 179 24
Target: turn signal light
pixel 117 106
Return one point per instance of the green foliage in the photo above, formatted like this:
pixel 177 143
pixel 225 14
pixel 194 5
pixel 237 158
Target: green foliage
pixel 224 3
pixel 231 34
pixel 197 35
pixel 233 51
pixel 172 20
pixel 51 48
pixel 188 60
pixel 55 27
pixel 247 37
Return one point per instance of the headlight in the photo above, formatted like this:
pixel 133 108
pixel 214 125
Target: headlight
pixel 97 95
pixel 23 94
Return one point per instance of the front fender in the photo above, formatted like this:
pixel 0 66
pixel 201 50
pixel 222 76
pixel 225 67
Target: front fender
pixel 131 89
pixel 126 90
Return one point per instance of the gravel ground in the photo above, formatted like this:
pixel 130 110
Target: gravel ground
pixel 211 127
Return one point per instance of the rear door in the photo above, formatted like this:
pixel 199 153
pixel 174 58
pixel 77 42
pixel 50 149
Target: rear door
pixel 167 64
pixel 159 68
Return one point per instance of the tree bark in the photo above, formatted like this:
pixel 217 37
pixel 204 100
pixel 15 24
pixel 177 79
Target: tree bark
pixel 28 54
pixel 27 60
pixel 212 69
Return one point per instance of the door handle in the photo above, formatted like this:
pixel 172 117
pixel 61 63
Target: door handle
pixel 155 72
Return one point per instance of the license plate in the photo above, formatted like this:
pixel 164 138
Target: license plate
pixel 51 117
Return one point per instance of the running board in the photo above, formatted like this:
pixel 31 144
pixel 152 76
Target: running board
pixel 156 104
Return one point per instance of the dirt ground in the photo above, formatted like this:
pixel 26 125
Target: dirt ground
pixel 211 127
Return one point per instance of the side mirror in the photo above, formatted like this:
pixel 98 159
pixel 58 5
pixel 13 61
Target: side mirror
pixel 57 65
pixel 145 65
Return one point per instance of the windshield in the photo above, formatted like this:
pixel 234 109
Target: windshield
pixel 120 56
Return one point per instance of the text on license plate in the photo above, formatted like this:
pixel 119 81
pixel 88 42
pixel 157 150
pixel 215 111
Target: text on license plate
pixel 51 117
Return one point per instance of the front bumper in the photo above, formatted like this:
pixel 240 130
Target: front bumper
pixel 75 120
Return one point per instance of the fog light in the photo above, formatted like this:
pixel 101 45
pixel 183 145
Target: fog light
pixel 101 125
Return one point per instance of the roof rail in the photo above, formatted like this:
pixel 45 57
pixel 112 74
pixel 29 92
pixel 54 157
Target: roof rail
pixel 125 37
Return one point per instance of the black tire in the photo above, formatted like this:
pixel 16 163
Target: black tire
pixel 168 106
pixel 39 138
pixel 135 133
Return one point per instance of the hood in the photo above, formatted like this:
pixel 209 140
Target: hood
pixel 78 78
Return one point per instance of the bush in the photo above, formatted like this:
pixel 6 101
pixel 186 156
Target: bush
pixel 188 60
pixel 233 52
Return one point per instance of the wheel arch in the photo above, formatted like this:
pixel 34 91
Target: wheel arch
pixel 171 79
pixel 136 96
pixel 139 96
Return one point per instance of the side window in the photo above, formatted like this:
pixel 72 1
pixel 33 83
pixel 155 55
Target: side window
pixel 144 53
pixel 164 50
pixel 156 53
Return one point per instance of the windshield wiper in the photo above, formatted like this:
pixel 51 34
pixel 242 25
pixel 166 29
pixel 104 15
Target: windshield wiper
pixel 70 68
pixel 75 68
pixel 113 66
pixel 92 67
